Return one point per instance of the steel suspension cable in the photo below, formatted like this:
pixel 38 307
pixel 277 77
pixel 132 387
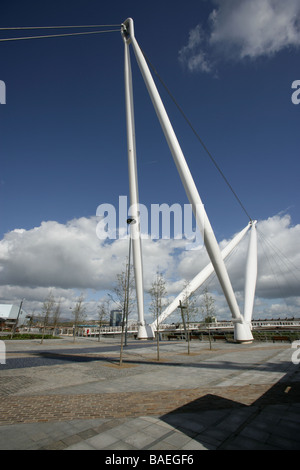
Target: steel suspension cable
pixel 150 64
pixel 198 137
pixel 58 35
pixel 288 263
pixel 61 27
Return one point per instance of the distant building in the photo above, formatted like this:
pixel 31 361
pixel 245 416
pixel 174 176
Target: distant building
pixel 115 318
pixel 9 314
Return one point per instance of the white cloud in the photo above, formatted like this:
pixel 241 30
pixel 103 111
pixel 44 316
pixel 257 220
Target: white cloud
pixel 52 254
pixel 279 256
pixel 278 260
pixel 278 281
pixel 239 29
pixel 69 258
pixel 193 54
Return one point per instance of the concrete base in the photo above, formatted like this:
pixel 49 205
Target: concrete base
pixel 242 333
pixel 145 332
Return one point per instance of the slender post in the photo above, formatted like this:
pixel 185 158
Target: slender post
pixel 129 222
pixel 182 316
pixel 157 337
pixel 122 333
pixel 17 320
pixel 126 291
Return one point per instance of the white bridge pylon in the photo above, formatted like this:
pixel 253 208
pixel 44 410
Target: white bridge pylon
pixel 242 322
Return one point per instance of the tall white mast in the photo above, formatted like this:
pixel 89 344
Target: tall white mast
pixel 242 332
pixel 134 196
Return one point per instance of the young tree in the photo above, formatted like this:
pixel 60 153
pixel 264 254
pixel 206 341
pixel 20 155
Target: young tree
pixel 124 291
pixel 208 310
pixel 103 314
pixel 79 313
pixel 158 293
pixel 47 312
pixel 56 315
pixel 31 320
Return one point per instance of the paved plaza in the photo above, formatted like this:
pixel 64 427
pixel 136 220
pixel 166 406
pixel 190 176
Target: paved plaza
pixel 61 395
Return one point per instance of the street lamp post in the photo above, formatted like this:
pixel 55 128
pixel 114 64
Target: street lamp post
pixel 130 221
pixel 17 320
pixel 184 324
pixel 126 299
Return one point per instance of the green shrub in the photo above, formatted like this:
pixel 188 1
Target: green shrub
pixel 27 336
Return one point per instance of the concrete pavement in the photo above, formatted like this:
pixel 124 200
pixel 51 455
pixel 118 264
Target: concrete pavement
pixel 62 395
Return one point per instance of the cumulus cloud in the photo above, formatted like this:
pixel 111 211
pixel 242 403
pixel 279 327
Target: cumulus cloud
pixel 239 29
pixel 69 258
pixel 278 281
pixel 52 254
pixel 278 260
pixel 279 253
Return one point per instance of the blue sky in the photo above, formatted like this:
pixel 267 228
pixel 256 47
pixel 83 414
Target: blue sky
pixel 63 131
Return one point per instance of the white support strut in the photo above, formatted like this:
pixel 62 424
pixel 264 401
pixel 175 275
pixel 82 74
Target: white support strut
pixel 251 274
pixel 201 217
pixel 242 332
pixel 198 280
pixel 134 196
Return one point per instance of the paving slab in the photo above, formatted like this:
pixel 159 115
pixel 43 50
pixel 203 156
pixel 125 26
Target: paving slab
pixel 66 396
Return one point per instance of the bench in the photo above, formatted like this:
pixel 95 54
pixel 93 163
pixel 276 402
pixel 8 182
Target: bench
pixel 281 338
pixel 194 337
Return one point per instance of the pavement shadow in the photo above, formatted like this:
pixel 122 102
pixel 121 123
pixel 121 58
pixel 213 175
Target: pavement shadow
pixel 284 391
pixel 205 403
pixel 215 421
pixel 48 358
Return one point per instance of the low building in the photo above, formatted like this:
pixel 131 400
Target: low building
pixel 10 313
pixel 115 318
